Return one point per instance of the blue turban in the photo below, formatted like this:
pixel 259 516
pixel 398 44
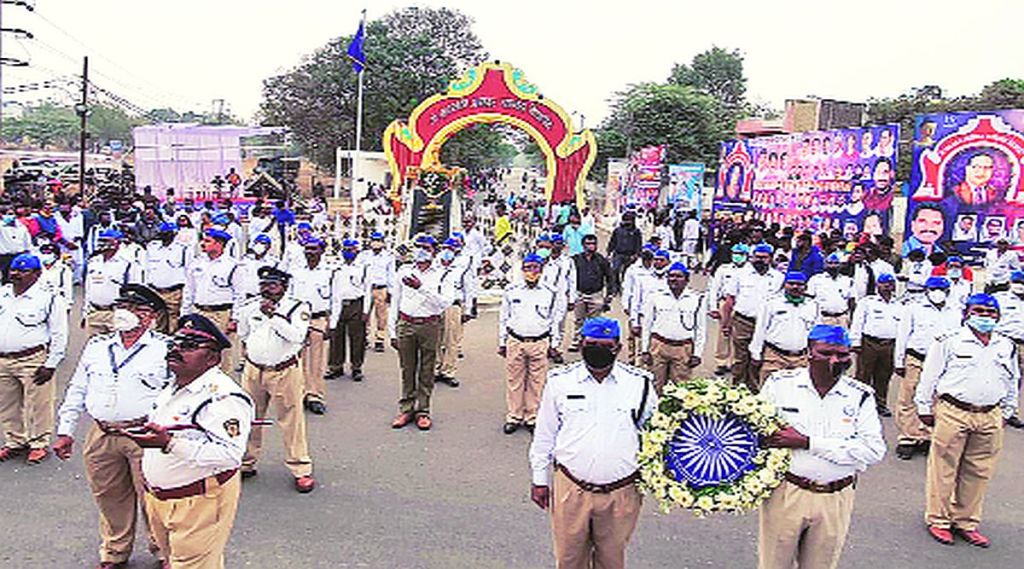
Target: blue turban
pixel 885 278
pixel 764 248
pixel 218 234
pixel 1017 277
pixel 982 299
pixel 796 277
pixel 601 328
pixel 681 267
pixel 937 282
pixel 26 262
pixel 830 335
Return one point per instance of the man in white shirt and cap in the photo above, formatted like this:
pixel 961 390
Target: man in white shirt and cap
pixel 166 263
pixel 311 283
pixel 673 328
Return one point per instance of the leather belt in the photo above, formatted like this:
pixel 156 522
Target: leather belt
pixel 172 288
pixel 791 353
pixel 214 307
pixel 101 308
pixel 670 342
pixel 112 427
pixel 744 317
pixel 821 487
pixel 599 488
pixel 23 353
pixel 276 367
pixel 378 287
pixel 543 336
pixel 418 319
pixel 878 340
pixel 969 407
pixel 834 314
pixel 321 314
pixel 194 489
pixel 915 354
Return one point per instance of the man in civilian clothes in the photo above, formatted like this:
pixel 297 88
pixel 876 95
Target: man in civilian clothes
pixel 594 283
pixel 623 247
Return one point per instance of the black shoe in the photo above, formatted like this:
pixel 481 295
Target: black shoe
pixel 379 347
pixel 462 355
pixel 574 349
pixel 510 428
pixel 450 381
pixel 722 371
pixel 530 428
pixel 558 359
pixel 334 374
pixel 884 411
pixel 905 451
pixel 316 407
pixel 1015 422
pixel 357 375
pixel 923 447
pixel 248 473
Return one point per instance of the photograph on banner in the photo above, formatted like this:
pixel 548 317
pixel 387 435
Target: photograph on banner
pixel 685 185
pixel 643 177
pixel 613 186
pixel 812 181
pixel 967 192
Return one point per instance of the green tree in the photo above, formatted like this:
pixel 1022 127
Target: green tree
pixel 716 72
pixel 44 126
pixel 110 123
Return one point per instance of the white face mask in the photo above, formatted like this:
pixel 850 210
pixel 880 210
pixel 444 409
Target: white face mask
pixel 124 320
pixel 260 248
pixel 1017 288
pixel 954 273
pixel 47 258
pixel 937 296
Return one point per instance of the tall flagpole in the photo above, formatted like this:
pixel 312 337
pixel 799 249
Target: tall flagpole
pixel 359 137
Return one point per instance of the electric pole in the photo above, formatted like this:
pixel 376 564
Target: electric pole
pixel 83 111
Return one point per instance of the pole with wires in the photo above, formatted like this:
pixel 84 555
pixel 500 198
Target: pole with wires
pixel 83 111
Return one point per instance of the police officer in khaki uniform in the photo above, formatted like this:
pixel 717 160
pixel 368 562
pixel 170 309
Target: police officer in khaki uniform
pixel 213 287
pixel 106 272
pixel 674 329
pixel 873 333
pixel 780 335
pixel 166 263
pixel 754 283
pixel 311 283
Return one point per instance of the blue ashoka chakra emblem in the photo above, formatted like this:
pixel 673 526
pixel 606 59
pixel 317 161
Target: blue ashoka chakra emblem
pixel 710 452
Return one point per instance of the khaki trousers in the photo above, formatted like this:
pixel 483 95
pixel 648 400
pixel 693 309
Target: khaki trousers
pixel 841 320
pixel 380 314
pixel 671 363
pixel 874 366
pixel 194 530
pixel 113 466
pixel 588 305
pixel 167 322
pixel 965 447
pixel 26 409
pixel 230 356
pixel 772 360
pixel 526 370
pixel 723 345
pixel 314 359
pixel 910 428
pixel 352 326
pixel 283 389
pixel 591 530
pixel 803 529
pixel 742 367
pixel 417 356
pixel 99 322
pixel 448 341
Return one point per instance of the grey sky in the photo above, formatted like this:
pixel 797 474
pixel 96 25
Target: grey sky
pixel 188 52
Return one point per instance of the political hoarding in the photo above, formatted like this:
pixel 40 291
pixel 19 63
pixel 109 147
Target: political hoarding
pixel 642 179
pixel 811 181
pixel 966 184
pixel 685 184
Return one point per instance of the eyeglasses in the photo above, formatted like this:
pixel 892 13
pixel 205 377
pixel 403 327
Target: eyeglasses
pixel 187 344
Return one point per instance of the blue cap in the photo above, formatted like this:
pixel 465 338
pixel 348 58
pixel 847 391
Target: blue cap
pixel 681 267
pixel 452 242
pixel 26 262
pixel 273 274
pixel 829 334
pixel 954 259
pixel 650 247
pixel 304 226
pixel 314 242
pixel 662 254
pixel 557 238
pixel 764 248
pixel 940 282
pixel 885 278
pixel 426 240
pixel 796 277
pixel 221 219
pixel 833 258
pixel 349 243
pixel 376 236
pixel 167 227
pixel 741 248
pixel 982 299
pixel 533 258
pixel 199 325
pixel 543 237
pixel 262 238
pixel 1017 277
pixel 218 234
pixel 601 328
pixel 111 234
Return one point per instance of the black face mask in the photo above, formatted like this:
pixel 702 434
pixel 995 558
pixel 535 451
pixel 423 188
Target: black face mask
pixel 832 270
pixel 598 357
pixel 760 266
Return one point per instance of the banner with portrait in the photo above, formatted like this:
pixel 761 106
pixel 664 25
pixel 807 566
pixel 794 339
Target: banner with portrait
pixel 685 185
pixel 966 187
pixel 643 177
pixel 812 181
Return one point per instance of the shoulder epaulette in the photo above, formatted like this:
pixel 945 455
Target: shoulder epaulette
pixel 638 372
pixel 783 374
pixel 563 370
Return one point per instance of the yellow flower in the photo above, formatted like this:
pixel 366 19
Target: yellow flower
pixel 705 503
pixel 766 476
pixel 661 421
pixel 691 400
pixel 732 395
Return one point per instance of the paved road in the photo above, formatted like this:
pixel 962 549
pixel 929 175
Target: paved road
pixel 458 496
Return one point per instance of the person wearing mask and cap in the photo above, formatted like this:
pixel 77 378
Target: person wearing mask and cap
pixel 528 330
pixel 923 321
pixel 273 327
pixel 720 282
pixel 833 292
pixel 583 454
pixel 56 274
pixel 351 294
pixel 783 322
pixel 648 284
pixel 559 273
pixel 33 341
pixel 457 288
pixel 961 281
pixel 213 287
pixel 630 290
pixel 193 443
pixel 166 263
pixel 294 254
pixel 594 285
pixel 834 431
pixel 116 382
pixel 311 282
pixel 14 239
pixel 873 333
pixel 380 264
pixel 969 386
pixel 259 255
pixel 1011 325
pixel 753 285
pixel 673 329
pixel 916 271
pixel 106 272
pixel 414 324
pixel 999 263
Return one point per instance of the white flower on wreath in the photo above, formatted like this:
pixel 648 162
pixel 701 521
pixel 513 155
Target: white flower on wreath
pixel 690 400
pixel 732 395
pixel 661 421
pixel 705 503
pixel 680 496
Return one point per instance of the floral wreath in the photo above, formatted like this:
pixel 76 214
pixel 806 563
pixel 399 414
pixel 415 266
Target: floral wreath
pixel 701 449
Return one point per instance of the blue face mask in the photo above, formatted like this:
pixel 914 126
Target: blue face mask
pixel 983 324
pixel 448 255
pixel 349 255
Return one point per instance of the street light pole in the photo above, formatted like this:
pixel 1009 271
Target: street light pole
pixel 83 110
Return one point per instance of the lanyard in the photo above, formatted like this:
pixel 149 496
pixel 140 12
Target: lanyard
pixel 113 361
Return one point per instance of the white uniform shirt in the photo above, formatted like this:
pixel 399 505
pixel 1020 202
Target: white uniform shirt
pixel 999 266
pixel 629 283
pixel 917 274
pixel 427 300
pixel 721 281
pixel 211 282
pixel 104 277
pixel 248 272
pixel 349 282
pixel 59 278
pixel 14 238
pixel 751 289
pixel 783 324
pixel 921 324
pixel 958 364
pixel 114 383
pixel 959 290
pixel 559 273
pixel 271 340
pixel 165 265
pixel 36 317
pixel 312 286
pixel 477 246
pixel 843 427
pixel 831 293
pixel 648 284
pixel 216 415
pixel 591 427
pixel 531 312
pixel 675 318
pixel 875 317
pixel 456 285
pixel 381 267
pixel 1011 315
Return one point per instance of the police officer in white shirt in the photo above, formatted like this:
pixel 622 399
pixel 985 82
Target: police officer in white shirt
pixel 107 271
pixel 784 320
pixel 959 287
pixel 648 283
pixel 560 274
pixel 380 264
pixel 194 442
pixel 311 283
pixel 923 321
pixel 873 333
pixel 166 263
pixel 999 263
pixel 14 239
pixel 969 386
pixel 633 274
pixel 56 274
pixel 720 282
pixel 744 296
pixel 259 256
pixel 528 328
pixel 673 329
pixel 457 285
pixel 351 298
pixel 835 433
pixel 33 341
pixel 583 455
pixel 833 291
pixel 213 287
pixel 116 382
pixel 1011 324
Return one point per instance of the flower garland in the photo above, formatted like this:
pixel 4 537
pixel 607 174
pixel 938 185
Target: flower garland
pixel 701 449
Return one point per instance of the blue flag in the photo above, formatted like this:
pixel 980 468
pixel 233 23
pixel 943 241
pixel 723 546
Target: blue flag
pixel 355 50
